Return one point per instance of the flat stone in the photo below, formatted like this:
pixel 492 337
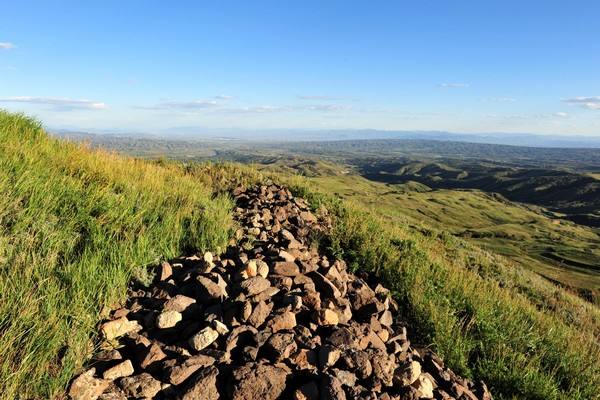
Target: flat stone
pixel 255 285
pixel 179 372
pixel 119 371
pixel 179 303
pixel 119 327
pixel 285 268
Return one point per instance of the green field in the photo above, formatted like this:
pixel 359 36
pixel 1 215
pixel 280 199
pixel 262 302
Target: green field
pixel 557 249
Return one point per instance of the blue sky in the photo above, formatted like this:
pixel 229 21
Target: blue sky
pixel 464 66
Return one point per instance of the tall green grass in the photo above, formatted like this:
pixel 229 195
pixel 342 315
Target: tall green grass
pixel 459 299
pixel 74 225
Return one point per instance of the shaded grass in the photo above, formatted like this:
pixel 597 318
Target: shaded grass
pixel 468 304
pixel 74 225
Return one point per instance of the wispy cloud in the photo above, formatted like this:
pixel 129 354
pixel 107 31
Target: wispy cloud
pixel 263 109
pixel 189 105
pixel 454 85
pixel 324 107
pixel 591 103
pixel 186 105
pixel 7 46
pixel 498 100
pixel 561 114
pixel 317 97
pixel 57 103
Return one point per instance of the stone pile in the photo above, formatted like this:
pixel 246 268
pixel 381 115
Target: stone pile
pixel 271 318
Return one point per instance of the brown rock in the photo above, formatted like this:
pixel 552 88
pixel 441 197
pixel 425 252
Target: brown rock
pixel 408 373
pixel 283 321
pixel 255 285
pixel 328 356
pixel 280 346
pixel 286 268
pixel 119 327
pixel 179 303
pixel 140 386
pixel 119 371
pixel 168 319
pixel 209 291
pixel 204 338
pixel 331 388
pixel 86 387
pixel 179 372
pixel 260 313
pixel 305 359
pixel 165 271
pixel 384 366
pixel 346 378
pixel 202 386
pixel 258 382
pixel 286 256
pixel 424 387
pixel 327 317
pixel 150 355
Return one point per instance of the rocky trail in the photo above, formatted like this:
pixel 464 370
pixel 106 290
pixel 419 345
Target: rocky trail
pixel 271 318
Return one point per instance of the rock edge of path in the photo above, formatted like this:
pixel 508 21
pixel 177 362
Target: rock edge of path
pixel 271 318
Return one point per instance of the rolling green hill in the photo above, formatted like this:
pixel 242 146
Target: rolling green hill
pixel 576 195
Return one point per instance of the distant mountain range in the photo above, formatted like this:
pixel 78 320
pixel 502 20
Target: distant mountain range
pixel 294 135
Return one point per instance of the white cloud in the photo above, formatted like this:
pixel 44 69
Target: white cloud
pixel 272 109
pixel 454 85
pixel 324 107
pixel 498 100
pixel 223 97
pixel 193 105
pixel 57 103
pixel 591 103
pixel 561 114
pixel 7 46
pixel 317 97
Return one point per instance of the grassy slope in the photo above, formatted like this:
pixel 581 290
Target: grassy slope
pixel 488 319
pixel 74 224
pixel 503 227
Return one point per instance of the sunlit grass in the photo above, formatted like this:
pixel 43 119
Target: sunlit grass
pixel 74 224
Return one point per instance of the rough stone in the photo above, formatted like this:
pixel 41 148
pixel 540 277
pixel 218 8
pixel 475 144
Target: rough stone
pixel 204 338
pixel 86 387
pixel 168 319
